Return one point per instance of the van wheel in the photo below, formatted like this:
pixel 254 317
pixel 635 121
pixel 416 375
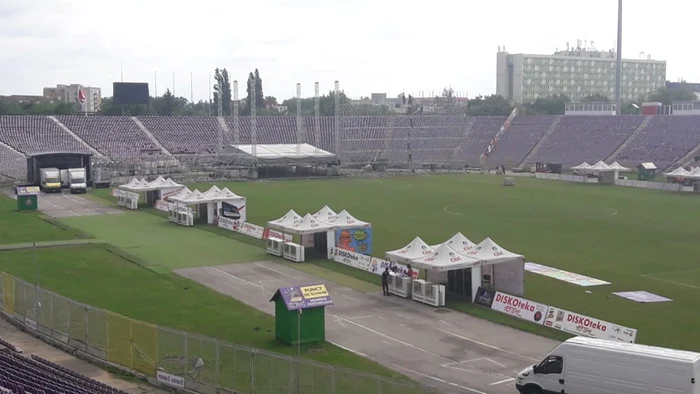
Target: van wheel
pixel 532 390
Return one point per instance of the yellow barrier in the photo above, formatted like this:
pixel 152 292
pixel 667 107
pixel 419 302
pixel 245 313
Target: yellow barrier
pixel 119 349
pixel 8 293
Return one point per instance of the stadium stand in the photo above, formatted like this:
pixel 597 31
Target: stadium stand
pixel 664 141
pixel 520 139
pixel 37 134
pixel 435 139
pixel 20 375
pixel 185 134
pixel 483 131
pixel 585 138
pixel 115 136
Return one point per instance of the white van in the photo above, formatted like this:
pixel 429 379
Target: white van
pixel 595 366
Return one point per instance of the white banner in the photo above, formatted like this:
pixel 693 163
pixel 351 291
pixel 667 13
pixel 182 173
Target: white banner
pixel 519 307
pixel 124 193
pixel 366 263
pixel 251 230
pixel 355 260
pixel 270 233
pixel 577 324
pixel 170 379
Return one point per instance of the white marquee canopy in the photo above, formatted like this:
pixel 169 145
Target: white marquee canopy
pixel 141 185
pixel 491 253
pixel 445 258
pixel 308 225
pixel 345 220
pixel 287 220
pixel 325 214
pixel 414 250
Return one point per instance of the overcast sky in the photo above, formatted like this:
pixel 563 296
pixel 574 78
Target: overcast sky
pixel 368 45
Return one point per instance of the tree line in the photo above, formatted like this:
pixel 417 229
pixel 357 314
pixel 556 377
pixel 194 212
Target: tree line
pixel 222 103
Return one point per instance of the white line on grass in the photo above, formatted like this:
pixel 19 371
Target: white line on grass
pixel 613 212
pixel 446 209
pixel 670 272
pixel 672 282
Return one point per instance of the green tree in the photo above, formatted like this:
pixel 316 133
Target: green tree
pixel 668 96
pixel 259 97
pixel 222 91
pixel 552 105
pixel 596 98
pixel 250 91
pixel 326 104
pixel 490 105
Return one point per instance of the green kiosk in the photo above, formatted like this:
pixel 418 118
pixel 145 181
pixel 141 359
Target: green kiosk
pixel 646 171
pixel 27 198
pixel 300 313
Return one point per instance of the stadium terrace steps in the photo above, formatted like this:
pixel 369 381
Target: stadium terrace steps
pixel 82 142
pixel 687 159
pixel 226 137
pixel 4 146
pixel 151 136
pixel 457 151
pixel 629 139
pixel 540 142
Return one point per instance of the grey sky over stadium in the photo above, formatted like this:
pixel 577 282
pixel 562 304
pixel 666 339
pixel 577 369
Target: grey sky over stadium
pixel 368 45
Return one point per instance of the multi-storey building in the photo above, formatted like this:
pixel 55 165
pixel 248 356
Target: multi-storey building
pixel 70 94
pixel 576 73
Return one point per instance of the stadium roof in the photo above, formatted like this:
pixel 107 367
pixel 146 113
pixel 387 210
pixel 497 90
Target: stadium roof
pixel 293 153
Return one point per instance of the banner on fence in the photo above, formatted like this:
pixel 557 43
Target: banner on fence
pixel 251 230
pixel 170 379
pixel 366 263
pixel 519 307
pixel 577 324
pixel 161 205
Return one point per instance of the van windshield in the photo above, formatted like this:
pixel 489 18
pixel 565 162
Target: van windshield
pixel 79 180
pixel 51 178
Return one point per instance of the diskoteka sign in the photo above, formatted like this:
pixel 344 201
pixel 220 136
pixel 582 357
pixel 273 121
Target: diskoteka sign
pixel 578 324
pixel 519 307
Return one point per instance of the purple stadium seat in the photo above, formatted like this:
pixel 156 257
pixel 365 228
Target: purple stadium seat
pixel 37 134
pixel 114 136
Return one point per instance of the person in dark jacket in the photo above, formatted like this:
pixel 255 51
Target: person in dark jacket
pixel 385 281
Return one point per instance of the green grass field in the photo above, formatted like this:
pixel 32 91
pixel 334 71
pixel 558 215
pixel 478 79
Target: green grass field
pixel 637 239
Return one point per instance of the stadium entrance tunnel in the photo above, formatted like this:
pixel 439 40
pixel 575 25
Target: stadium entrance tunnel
pixel 60 160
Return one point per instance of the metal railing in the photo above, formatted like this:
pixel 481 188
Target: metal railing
pixel 207 365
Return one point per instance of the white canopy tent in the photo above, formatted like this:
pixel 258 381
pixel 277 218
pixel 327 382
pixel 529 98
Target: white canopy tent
pixel 307 225
pixel 582 167
pixel 680 171
pixel 217 201
pixel 505 269
pixel 445 258
pixel 158 189
pixel 345 220
pixel 491 253
pixel 618 167
pixel 414 250
pixel 287 220
pixel 458 243
pixel 325 214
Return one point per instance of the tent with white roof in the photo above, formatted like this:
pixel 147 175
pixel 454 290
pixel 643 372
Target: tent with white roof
pixel 215 202
pixel 414 250
pixel 459 243
pixel 158 189
pixel 505 269
pixel 680 172
pixel 582 167
pixel 325 214
pixel 600 166
pixel 288 219
pixel 307 225
pixel 445 258
pixel 617 166
pixel 491 253
pixel 344 220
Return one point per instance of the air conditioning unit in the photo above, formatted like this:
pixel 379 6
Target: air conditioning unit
pixel 275 246
pixel 400 286
pixel 428 293
pixel 293 252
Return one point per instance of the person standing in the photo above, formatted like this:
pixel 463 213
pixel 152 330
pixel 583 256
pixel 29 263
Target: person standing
pixel 385 281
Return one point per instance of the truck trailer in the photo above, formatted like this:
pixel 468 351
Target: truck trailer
pixel 50 179
pixel 584 365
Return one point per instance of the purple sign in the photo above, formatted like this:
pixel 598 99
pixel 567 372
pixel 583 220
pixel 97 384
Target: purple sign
pixel 642 296
pixel 304 297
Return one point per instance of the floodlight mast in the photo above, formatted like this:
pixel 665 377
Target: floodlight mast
pixel 618 76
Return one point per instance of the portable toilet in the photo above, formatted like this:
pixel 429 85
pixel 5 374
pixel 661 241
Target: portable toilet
pixel 27 199
pixel 646 171
pixel 300 316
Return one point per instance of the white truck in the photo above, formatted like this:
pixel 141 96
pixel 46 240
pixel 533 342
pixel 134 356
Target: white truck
pixel 586 365
pixel 50 179
pixel 77 180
